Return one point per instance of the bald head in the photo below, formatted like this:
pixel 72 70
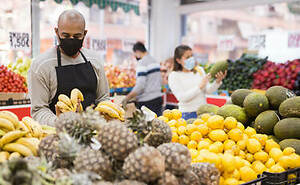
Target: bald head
pixel 71 16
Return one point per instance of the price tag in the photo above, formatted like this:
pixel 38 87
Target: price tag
pixel 226 43
pixel 294 40
pixel 256 42
pixel 19 40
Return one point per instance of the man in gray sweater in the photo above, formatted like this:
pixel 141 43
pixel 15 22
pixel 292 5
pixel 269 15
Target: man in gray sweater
pixel 148 81
pixel 63 68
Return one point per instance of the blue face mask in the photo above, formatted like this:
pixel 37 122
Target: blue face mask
pixel 189 63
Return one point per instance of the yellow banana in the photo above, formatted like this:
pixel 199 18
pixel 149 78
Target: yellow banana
pixel 109 111
pixel 76 93
pixel 23 127
pixel 47 127
pixel 10 116
pixel 6 124
pixel 62 106
pixel 2 133
pixel 11 136
pixel 3 156
pixel 114 106
pixel 34 125
pixel 14 155
pixel 15 147
pixel 80 108
pixel 65 99
pixel 31 143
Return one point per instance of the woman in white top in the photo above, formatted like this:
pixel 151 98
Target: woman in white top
pixel 188 86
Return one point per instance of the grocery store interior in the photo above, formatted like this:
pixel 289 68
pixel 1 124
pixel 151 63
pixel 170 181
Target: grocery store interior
pixel 208 91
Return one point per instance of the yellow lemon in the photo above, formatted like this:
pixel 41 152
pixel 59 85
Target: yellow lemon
pixel 230 123
pixel 295 160
pixel 236 174
pixel 258 167
pixel 261 156
pixel 221 181
pixel 270 143
pixel 249 157
pixel 242 144
pixel 172 123
pixel 205 117
pixel 253 146
pixel 238 162
pixel 181 130
pixel 276 154
pixel 199 159
pixel 190 128
pixel 288 151
pixel 242 154
pixel 228 144
pixel 165 119
pixel 184 140
pixel 285 161
pixel 192 144
pixel 231 152
pixel 208 140
pixel 174 129
pixel 176 114
pixel 240 126
pixel 247 174
pixel 196 136
pixel 203 129
pixel 242 182
pixel 250 131
pixel 175 137
pixel 216 147
pixel 235 134
pixel 180 122
pixel 277 169
pixel 228 162
pixel 235 149
pixel 231 181
pixel 214 159
pixel 198 122
pixel 270 163
pixel 217 135
pixel 245 137
pixel 204 152
pixel 215 122
pixel 203 145
pixel 194 153
pixel 262 138
pixel 168 114
pixel 246 163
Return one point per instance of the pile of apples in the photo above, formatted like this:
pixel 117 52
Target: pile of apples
pixel 119 77
pixel 11 81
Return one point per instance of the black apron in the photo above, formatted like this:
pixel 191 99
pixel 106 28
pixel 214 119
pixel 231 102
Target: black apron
pixel 80 76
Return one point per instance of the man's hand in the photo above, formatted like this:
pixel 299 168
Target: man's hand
pixel 220 76
pixel 124 103
pixel 205 81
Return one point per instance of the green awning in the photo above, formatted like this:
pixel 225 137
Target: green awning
pixel 114 4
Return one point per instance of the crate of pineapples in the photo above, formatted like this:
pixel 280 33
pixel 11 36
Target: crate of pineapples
pixel 239 153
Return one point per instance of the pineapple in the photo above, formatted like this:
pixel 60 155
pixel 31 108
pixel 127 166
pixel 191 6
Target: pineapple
pixel 60 173
pixel 153 133
pixel 130 182
pixel 103 183
pixel 117 140
pixel 189 178
pixel 207 173
pixel 177 157
pixel 94 161
pixel 168 179
pixel 48 147
pixel 146 164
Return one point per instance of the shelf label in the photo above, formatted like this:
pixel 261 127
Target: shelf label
pixel 294 40
pixel 19 40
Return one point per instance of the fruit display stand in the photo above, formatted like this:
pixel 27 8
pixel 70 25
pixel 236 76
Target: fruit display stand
pixel 20 110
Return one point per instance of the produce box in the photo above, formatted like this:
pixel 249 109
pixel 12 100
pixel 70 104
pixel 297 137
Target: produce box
pixel 13 99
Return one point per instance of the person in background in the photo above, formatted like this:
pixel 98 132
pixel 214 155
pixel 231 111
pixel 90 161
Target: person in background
pixel 188 86
pixel 147 90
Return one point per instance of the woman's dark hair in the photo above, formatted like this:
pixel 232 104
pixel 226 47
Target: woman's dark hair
pixel 179 52
pixel 139 46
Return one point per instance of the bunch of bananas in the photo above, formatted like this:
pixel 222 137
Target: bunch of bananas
pixel 20 138
pixel 111 110
pixel 66 104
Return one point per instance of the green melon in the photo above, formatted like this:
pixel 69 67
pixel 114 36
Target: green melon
pixel 207 108
pixel 290 107
pixel 217 67
pixel 265 122
pixel 288 128
pixel 238 96
pixel 274 138
pixel 255 104
pixel 294 143
pixel 277 94
pixel 233 110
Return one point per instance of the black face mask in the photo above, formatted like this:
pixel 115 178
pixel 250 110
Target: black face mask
pixel 138 58
pixel 70 46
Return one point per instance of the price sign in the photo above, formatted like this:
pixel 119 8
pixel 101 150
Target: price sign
pixel 18 40
pixel 98 44
pixel 294 40
pixel 256 42
pixel 226 43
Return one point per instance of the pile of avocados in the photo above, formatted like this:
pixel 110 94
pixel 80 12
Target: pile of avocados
pixel 275 113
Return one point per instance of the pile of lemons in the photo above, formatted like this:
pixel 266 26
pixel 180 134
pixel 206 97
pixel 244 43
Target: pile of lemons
pixel 238 152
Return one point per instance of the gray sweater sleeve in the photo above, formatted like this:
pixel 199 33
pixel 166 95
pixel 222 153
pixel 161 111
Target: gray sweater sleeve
pixel 103 87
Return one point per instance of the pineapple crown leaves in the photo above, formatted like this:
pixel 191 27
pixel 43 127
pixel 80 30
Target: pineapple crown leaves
pixel 68 147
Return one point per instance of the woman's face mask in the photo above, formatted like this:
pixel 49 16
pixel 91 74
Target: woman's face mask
pixel 189 63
